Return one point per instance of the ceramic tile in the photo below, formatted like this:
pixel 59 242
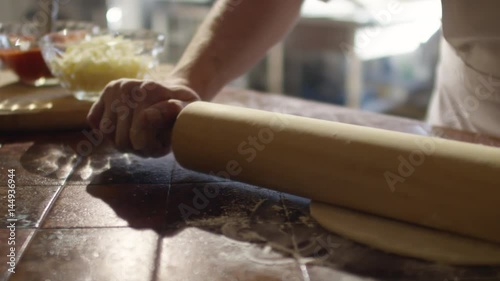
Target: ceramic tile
pixel 119 254
pixel 194 254
pixel 122 168
pixel 31 203
pixel 20 243
pixel 37 163
pixel 138 206
pixel 189 203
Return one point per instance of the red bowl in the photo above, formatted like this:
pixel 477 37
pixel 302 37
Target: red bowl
pixel 28 65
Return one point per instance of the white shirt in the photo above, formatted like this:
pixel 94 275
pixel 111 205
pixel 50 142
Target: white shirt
pixel 467 94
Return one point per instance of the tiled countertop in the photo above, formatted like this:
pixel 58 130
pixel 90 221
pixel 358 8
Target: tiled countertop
pixel 113 216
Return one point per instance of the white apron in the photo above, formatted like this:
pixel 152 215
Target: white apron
pixel 467 94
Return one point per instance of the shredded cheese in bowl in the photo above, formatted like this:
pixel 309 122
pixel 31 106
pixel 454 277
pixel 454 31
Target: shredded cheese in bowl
pixel 90 65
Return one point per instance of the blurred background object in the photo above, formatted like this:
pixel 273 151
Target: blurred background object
pixel 376 55
pixel 85 61
pixel 21 53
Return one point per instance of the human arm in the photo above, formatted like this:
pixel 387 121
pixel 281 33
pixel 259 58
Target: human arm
pixel 138 115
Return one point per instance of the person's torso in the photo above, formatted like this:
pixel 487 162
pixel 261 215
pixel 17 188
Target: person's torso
pixel 472 28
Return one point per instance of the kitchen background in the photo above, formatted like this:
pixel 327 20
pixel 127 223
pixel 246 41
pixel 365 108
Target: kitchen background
pixel 376 55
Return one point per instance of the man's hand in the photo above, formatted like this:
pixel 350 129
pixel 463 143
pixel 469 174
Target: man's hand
pixel 138 116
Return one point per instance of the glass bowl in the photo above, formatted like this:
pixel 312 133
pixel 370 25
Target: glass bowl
pixel 85 63
pixel 20 52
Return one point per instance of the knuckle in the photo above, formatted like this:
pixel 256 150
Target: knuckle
pixel 139 93
pixel 113 85
pixel 149 85
pixel 123 83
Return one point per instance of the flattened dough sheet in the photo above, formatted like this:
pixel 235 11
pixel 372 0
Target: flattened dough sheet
pixel 404 238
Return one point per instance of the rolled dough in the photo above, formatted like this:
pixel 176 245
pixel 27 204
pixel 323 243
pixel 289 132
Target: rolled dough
pixel 404 238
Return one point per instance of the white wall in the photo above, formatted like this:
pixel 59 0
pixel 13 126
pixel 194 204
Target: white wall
pixel 87 10
pixel 131 14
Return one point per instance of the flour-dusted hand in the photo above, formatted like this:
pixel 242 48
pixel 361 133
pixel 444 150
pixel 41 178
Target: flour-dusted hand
pixel 138 116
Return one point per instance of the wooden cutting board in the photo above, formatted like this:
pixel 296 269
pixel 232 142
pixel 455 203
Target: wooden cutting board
pixel 46 108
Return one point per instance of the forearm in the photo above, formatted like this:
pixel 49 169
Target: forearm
pixel 234 36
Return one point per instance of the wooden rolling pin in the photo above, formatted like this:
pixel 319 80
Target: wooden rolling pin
pixel 438 183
